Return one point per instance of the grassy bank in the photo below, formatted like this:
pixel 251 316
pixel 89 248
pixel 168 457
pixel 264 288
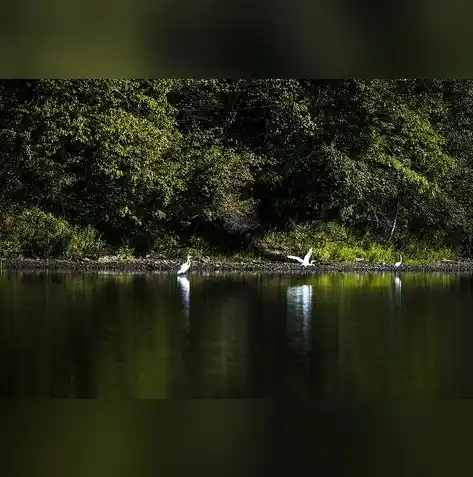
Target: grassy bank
pixel 35 234
pixel 336 244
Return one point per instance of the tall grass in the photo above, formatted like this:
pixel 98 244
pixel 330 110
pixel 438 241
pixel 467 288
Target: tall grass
pixel 332 242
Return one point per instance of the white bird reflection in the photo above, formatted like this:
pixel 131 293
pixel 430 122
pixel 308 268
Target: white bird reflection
pixel 397 290
pixel 185 288
pixel 299 303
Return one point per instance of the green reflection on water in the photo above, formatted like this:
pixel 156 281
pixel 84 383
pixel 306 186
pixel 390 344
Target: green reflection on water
pixel 330 336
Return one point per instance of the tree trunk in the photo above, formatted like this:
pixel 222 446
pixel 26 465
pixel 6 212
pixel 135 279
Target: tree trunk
pixel 393 228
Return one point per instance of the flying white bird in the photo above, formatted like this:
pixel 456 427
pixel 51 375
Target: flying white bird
pixel 398 264
pixel 185 266
pixel 305 262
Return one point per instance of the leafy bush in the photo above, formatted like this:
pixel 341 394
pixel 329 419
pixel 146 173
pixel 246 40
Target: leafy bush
pixel 84 242
pixel 332 242
pixel 9 249
pixel 38 234
pixel 379 253
pixel 165 242
pixel 197 247
pixel 125 252
pixel 419 252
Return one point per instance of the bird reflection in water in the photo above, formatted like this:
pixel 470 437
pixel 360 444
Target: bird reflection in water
pixel 185 288
pixel 299 303
pixel 397 288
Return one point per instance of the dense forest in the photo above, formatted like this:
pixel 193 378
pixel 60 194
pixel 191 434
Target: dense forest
pixel 354 168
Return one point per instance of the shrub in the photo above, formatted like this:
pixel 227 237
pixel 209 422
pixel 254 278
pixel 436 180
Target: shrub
pixel 38 234
pixel 125 252
pixel 165 242
pixel 332 242
pixel 379 253
pixel 84 242
pixel 9 249
pixel 197 247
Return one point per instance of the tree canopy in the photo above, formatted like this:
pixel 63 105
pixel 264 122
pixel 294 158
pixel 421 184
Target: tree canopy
pixel 136 159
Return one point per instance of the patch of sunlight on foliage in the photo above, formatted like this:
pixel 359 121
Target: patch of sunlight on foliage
pixel 38 234
pixel 418 253
pixel 326 252
pixel 10 249
pixel 307 235
pixel 332 242
pixel 125 252
pixel 377 253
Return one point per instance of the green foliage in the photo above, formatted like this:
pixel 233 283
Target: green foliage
pixel 166 242
pixel 84 242
pixel 91 149
pixel 332 242
pixel 197 248
pixel 38 234
pixel 125 252
pixel 379 253
pixel 419 252
pixel 358 168
pixel 307 235
pixel 215 181
pixel 10 249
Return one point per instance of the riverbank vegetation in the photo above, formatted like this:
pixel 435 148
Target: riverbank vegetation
pixel 356 169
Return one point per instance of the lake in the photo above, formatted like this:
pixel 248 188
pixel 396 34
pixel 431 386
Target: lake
pixel 332 337
pixel 346 373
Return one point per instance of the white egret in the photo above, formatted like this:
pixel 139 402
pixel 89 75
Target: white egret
pixel 398 264
pixel 185 266
pixel 305 262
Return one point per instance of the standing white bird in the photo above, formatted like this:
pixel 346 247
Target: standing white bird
pixel 305 262
pixel 398 264
pixel 185 266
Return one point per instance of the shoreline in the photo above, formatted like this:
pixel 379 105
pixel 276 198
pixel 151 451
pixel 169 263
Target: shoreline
pixel 171 266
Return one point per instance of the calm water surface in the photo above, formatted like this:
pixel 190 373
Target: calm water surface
pixel 339 337
pixel 365 363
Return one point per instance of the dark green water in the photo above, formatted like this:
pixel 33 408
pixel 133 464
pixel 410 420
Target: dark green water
pixel 331 374
pixel 332 337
